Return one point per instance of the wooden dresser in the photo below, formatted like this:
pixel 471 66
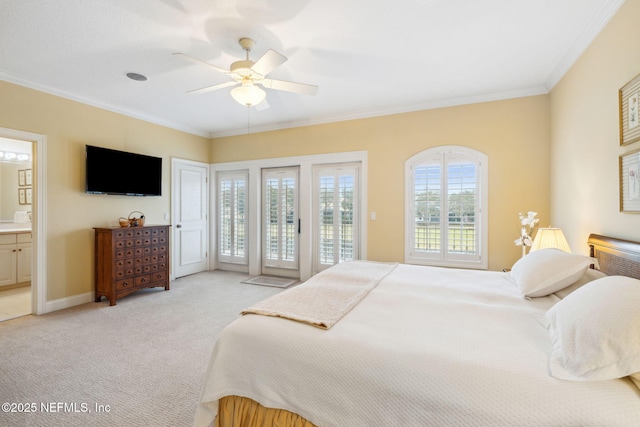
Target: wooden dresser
pixel 129 259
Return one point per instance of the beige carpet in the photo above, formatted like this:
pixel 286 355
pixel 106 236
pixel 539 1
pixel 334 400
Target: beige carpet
pixel 139 363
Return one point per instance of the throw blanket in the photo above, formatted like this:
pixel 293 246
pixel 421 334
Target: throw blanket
pixel 326 297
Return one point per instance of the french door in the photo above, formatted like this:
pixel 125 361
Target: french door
pixel 336 215
pixel 280 222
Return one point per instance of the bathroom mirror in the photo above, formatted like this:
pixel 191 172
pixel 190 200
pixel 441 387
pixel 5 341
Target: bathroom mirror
pixel 16 180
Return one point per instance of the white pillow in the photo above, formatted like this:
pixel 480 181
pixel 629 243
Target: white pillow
pixel 595 331
pixel 545 271
pixel 588 276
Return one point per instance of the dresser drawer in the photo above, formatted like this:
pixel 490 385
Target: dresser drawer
pixel 159 276
pixel 124 285
pixel 142 280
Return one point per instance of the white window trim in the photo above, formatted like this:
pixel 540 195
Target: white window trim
pixel 482 261
pixel 306 164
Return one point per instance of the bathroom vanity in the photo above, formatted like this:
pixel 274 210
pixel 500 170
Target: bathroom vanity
pixel 15 254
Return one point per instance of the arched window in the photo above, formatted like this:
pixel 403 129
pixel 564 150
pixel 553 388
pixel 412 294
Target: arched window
pixel 446 208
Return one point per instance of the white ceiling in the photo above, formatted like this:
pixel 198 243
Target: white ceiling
pixel 368 57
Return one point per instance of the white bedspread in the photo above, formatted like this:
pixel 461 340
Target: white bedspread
pixel 428 346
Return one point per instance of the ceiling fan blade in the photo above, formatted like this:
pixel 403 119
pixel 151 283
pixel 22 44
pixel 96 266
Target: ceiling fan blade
pixel 268 62
pixel 302 88
pixel 197 61
pixel 214 87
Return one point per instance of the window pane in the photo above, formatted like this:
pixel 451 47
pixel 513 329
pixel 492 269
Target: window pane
pixel 427 193
pixel 346 218
pixel 231 217
pixel 271 218
pixel 239 218
pixel 290 228
pixel 461 186
pixel 225 217
pixel 326 220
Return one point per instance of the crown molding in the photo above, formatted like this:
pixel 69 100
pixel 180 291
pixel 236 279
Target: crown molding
pixel 586 37
pixel 20 81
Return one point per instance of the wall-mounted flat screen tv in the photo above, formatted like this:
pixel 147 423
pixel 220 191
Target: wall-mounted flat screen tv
pixel 120 172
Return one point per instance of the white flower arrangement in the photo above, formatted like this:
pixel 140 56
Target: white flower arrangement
pixel 527 224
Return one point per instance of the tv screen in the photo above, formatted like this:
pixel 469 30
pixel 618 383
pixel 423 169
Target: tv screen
pixel 119 172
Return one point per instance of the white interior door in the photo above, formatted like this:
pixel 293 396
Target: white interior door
pixel 190 217
pixel 280 222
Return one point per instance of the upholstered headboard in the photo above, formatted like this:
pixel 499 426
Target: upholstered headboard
pixel 617 257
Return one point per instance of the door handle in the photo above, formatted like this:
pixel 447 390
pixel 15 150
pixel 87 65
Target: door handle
pixel 178 226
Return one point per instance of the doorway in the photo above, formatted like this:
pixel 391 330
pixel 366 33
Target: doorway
pixel 38 214
pixel 16 209
pixel 280 221
pixel 336 213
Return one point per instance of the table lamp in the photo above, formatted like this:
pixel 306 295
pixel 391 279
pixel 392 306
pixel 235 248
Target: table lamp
pixel 550 238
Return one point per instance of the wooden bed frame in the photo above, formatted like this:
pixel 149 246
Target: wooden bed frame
pixel 616 257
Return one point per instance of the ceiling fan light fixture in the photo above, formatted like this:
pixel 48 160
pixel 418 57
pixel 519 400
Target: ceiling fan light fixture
pixel 248 94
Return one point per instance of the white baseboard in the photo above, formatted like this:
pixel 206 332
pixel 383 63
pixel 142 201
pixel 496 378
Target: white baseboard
pixel 67 302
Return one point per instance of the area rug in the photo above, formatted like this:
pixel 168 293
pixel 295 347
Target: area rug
pixel 277 282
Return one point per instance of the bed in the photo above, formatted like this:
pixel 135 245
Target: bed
pixel 553 342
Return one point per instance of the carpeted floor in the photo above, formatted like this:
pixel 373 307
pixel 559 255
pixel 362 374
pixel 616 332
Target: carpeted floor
pixel 139 363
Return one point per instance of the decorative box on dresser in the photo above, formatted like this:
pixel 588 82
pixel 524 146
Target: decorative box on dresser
pixel 129 259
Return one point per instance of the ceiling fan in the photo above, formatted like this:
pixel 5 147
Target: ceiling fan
pixel 249 74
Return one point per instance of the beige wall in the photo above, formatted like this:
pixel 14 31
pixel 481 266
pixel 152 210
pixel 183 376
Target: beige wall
pixel 585 144
pixel 513 133
pixel 71 213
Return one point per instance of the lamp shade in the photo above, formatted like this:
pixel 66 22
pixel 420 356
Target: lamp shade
pixel 550 238
pixel 248 94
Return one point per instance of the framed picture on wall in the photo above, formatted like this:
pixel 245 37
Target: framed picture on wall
pixel 22 178
pixel 629 98
pixel 27 177
pixel 630 182
pixel 22 196
pixel 28 194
